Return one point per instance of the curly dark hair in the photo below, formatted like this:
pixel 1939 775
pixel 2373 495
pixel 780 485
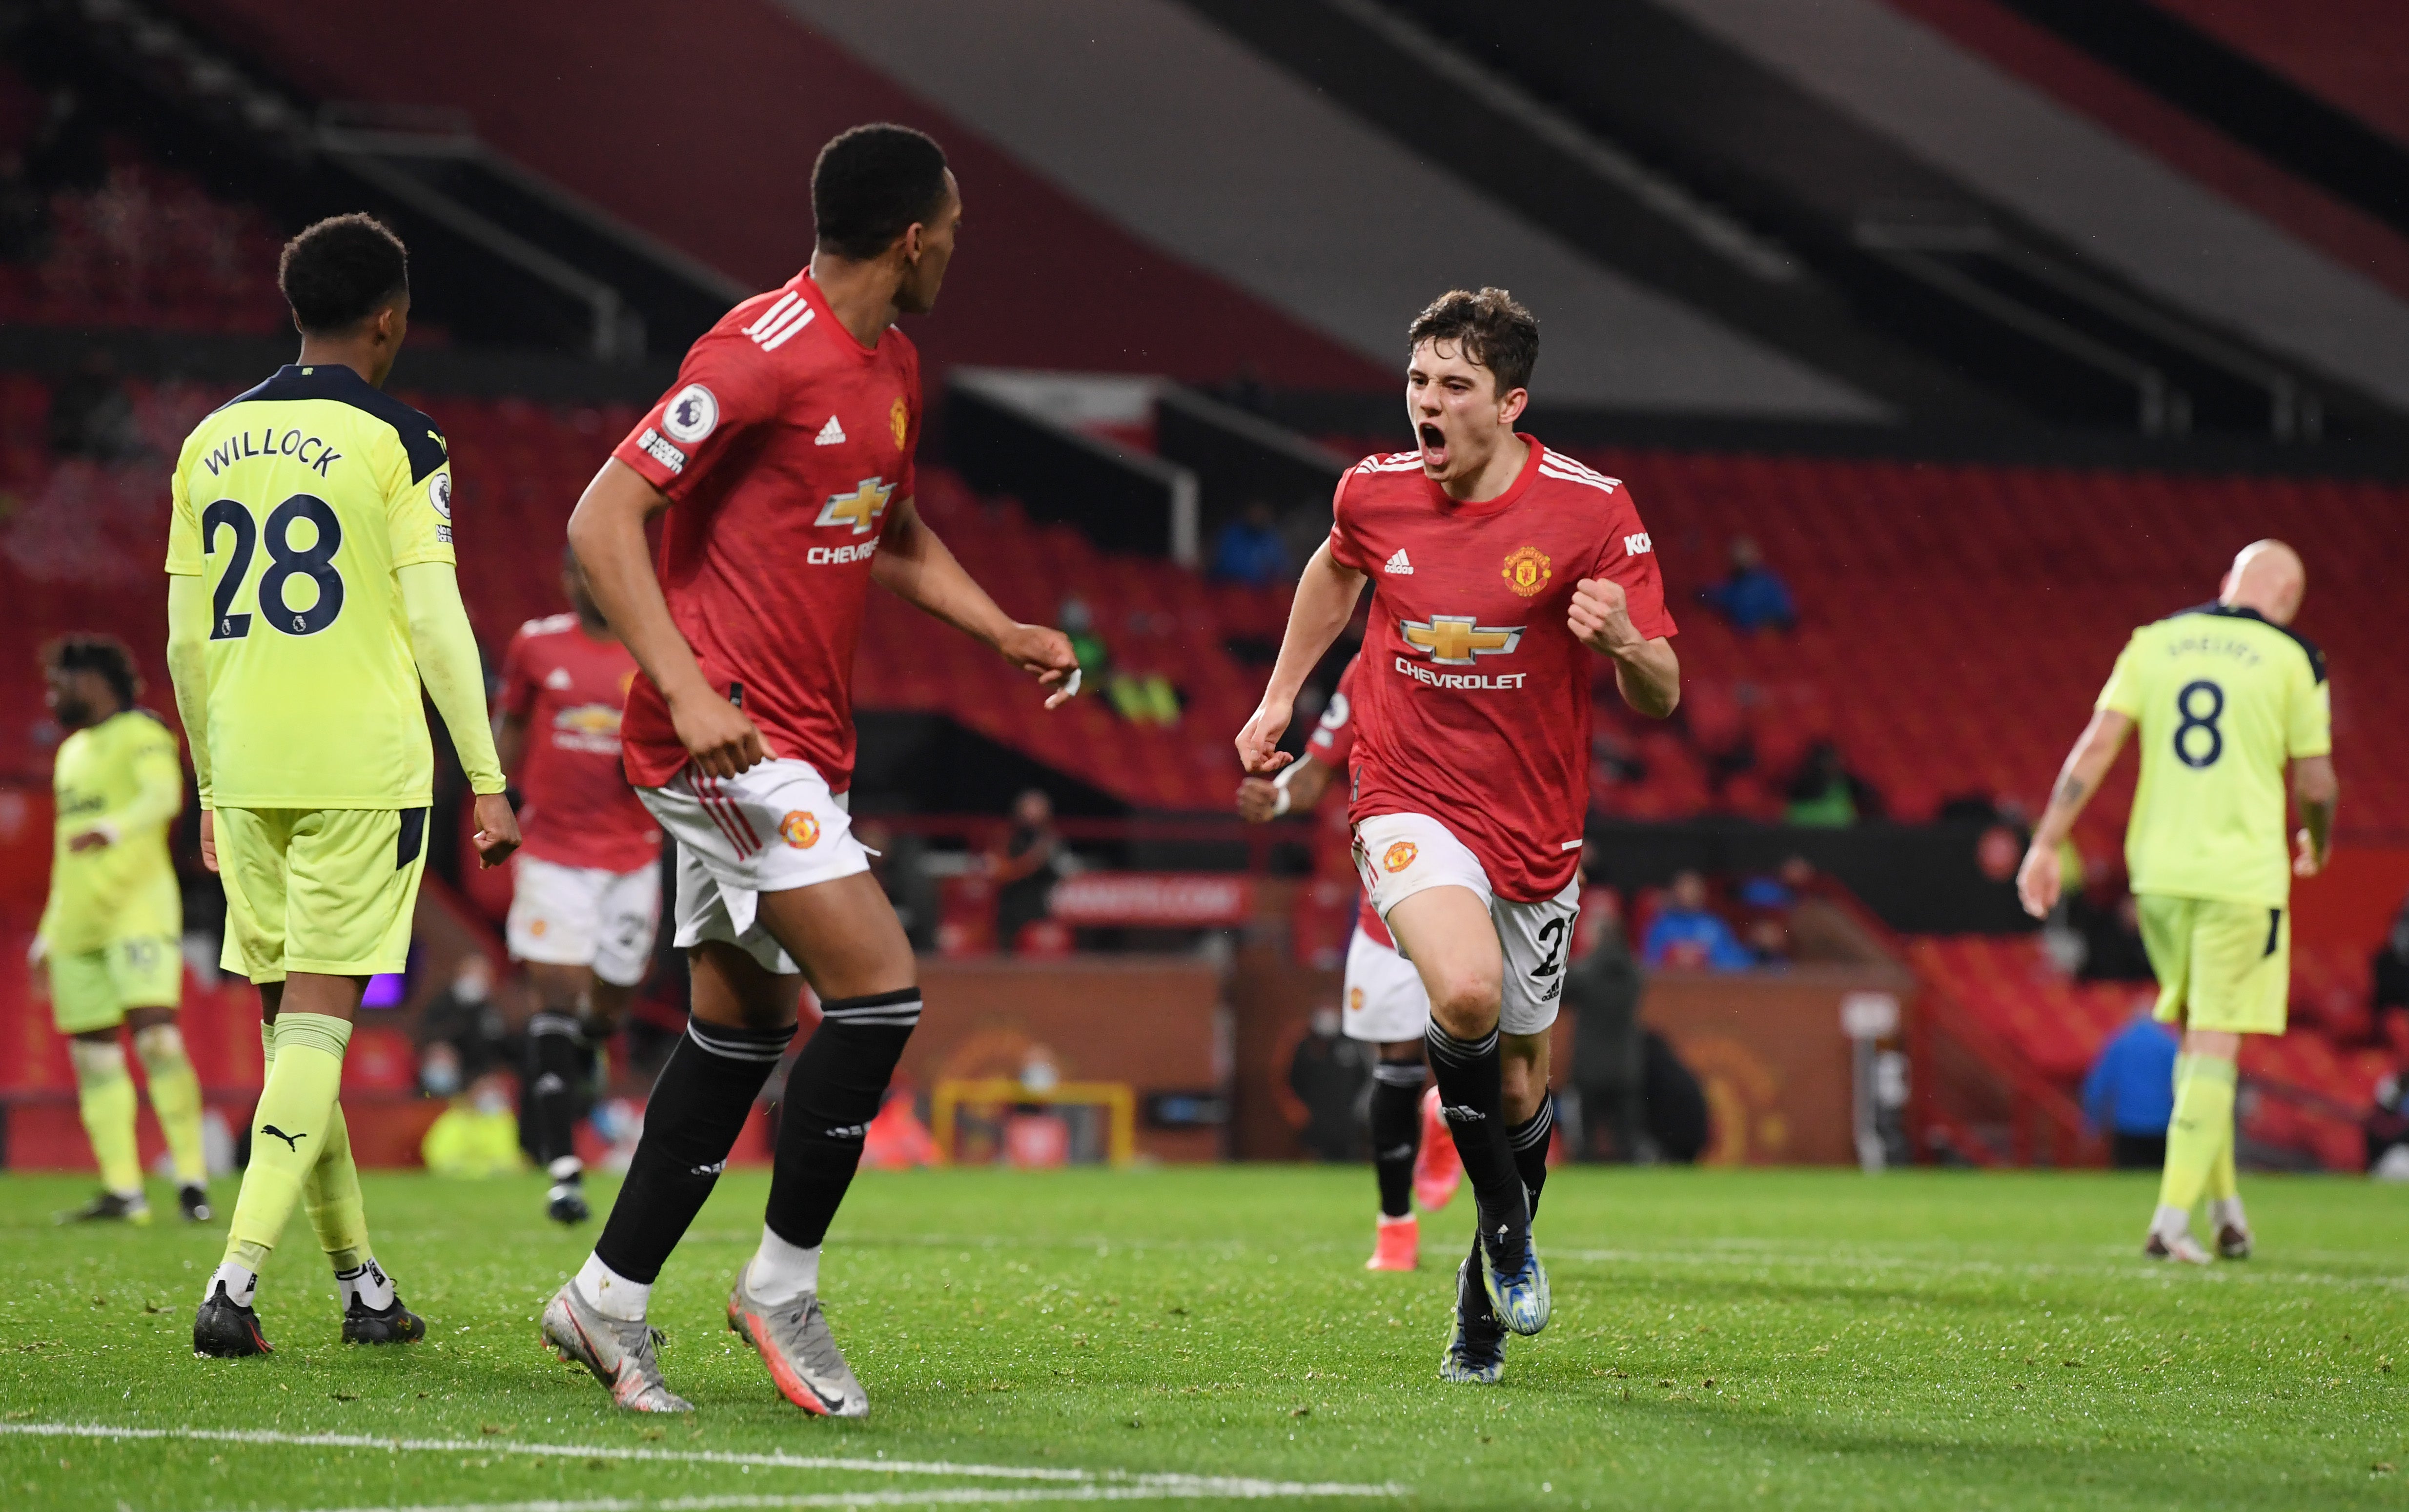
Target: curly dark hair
pixel 102 653
pixel 1490 327
pixel 340 271
pixel 871 184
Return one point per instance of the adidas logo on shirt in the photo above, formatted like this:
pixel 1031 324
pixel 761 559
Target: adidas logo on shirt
pixel 1398 565
pixel 557 679
pixel 830 434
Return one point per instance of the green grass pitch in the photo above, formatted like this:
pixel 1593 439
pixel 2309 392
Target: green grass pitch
pixel 1720 1339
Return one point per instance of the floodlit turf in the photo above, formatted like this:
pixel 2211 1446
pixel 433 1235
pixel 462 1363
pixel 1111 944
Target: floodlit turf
pixel 1720 1339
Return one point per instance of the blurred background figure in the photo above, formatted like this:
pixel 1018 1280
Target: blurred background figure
pixel 1687 933
pixel 1603 988
pixel 1751 596
pixel 91 416
pixel 1032 859
pixel 478 1135
pixel 2389 974
pixel 467 1024
pixel 900 861
pixel 1331 1077
pixel 2130 1092
pixel 1250 549
pixel 1826 794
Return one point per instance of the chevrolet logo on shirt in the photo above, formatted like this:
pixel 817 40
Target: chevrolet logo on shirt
pixel 860 509
pixel 1455 640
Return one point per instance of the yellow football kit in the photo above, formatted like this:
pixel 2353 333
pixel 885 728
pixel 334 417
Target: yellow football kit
pixel 110 932
pixel 2221 699
pixel 301 507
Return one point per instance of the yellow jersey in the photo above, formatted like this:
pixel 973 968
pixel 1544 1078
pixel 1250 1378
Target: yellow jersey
pixel 297 503
pixel 123 773
pixel 2221 699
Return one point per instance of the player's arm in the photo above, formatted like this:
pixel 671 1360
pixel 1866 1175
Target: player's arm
pixel 1297 789
pixel 2316 789
pixel 1647 672
pixel 1324 602
pixel 917 567
pixel 445 649
pixel 510 740
pixel 188 669
pixel 2087 765
pixel 607 532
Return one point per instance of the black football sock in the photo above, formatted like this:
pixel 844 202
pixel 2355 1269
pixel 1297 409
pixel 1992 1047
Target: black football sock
pixel 1528 1140
pixel 555 1056
pixel 1396 1131
pixel 691 1121
pixel 833 1090
pixel 1472 1095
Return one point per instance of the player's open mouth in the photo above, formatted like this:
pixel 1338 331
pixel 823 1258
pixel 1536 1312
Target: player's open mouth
pixel 1433 447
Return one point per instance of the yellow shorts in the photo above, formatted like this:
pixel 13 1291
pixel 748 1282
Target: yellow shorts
pixel 323 890
pixel 92 989
pixel 2226 967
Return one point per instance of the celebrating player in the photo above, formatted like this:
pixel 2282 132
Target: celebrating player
pixel 108 949
pixel 1385 1002
pixel 310 593
pixel 2223 697
pixel 586 895
pixel 784 459
pixel 1495 562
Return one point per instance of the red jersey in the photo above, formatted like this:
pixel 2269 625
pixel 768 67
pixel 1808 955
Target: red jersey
pixel 1475 695
pixel 568 687
pixel 1331 743
pixel 780 450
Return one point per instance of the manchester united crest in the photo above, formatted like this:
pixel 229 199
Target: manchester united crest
pixel 1399 856
pixel 1527 570
pixel 898 420
pixel 800 828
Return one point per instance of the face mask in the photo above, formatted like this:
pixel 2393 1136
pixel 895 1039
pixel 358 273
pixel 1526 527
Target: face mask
pixel 492 1103
pixel 440 1078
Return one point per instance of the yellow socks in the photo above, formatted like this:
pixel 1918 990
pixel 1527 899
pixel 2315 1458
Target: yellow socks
pixel 176 1098
pixel 289 1132
pixel 106 1095
pixel 2200 1136
pixel 331 1194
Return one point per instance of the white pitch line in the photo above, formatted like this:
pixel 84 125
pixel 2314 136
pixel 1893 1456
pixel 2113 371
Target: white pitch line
pixel 1084 1485
pixel 1795 1262
pixel 947 1496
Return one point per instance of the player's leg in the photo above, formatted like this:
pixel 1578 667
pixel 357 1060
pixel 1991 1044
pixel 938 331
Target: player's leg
pixel 150 973
pixel 2249 973
pixel 1387 1008
pixel 84 1007
pixel 2224 971
pixel 627 913
pixel 855 955
pixel 553 923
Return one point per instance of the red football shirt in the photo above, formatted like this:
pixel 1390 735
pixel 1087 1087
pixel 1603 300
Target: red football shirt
pixel 1474 699
pixel 570 687
pixel 780 448
pixel 1332 742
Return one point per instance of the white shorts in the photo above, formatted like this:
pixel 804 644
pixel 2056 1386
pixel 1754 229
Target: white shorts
pixel 1399 855
pixel 774 828
pixel 1385 1000
pixel 583 916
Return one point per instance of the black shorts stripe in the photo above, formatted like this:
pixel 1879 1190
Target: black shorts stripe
pixel 413 839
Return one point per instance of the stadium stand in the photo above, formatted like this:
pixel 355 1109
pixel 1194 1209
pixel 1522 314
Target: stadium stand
pixel 2353 52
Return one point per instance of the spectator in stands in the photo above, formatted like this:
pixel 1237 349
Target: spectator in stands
pixel 1250 549
pixel 1077 621
pixel 1751 596
pixel 1689 933
pixel 465 1021
pixel 1603 990
pixel 2111 937
pixel 2385 1133
pixel 1331 1075
pixel 92 414
pixel 2130 1092
pixel 478 1135
pixel 2390 971
pixel 1826 794
pixel 1025 872
pixel 901 864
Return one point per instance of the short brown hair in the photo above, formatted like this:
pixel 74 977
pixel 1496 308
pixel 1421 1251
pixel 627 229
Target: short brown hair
pixel 1489 328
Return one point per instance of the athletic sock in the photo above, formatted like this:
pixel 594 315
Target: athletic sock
pixel 1528 1140
pixel 832 1092
pixel 612 1294
pixel 2202 1124
pixel 1472 1096
pixel 175 1098
pixel 104 1095
pixel 1396 1131
pixel 555 1059
pixel 366 1284
pixel 289 1131
pixel 241 1283
pixel 697 1107
pixel 782 1271
pixel 331 1192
